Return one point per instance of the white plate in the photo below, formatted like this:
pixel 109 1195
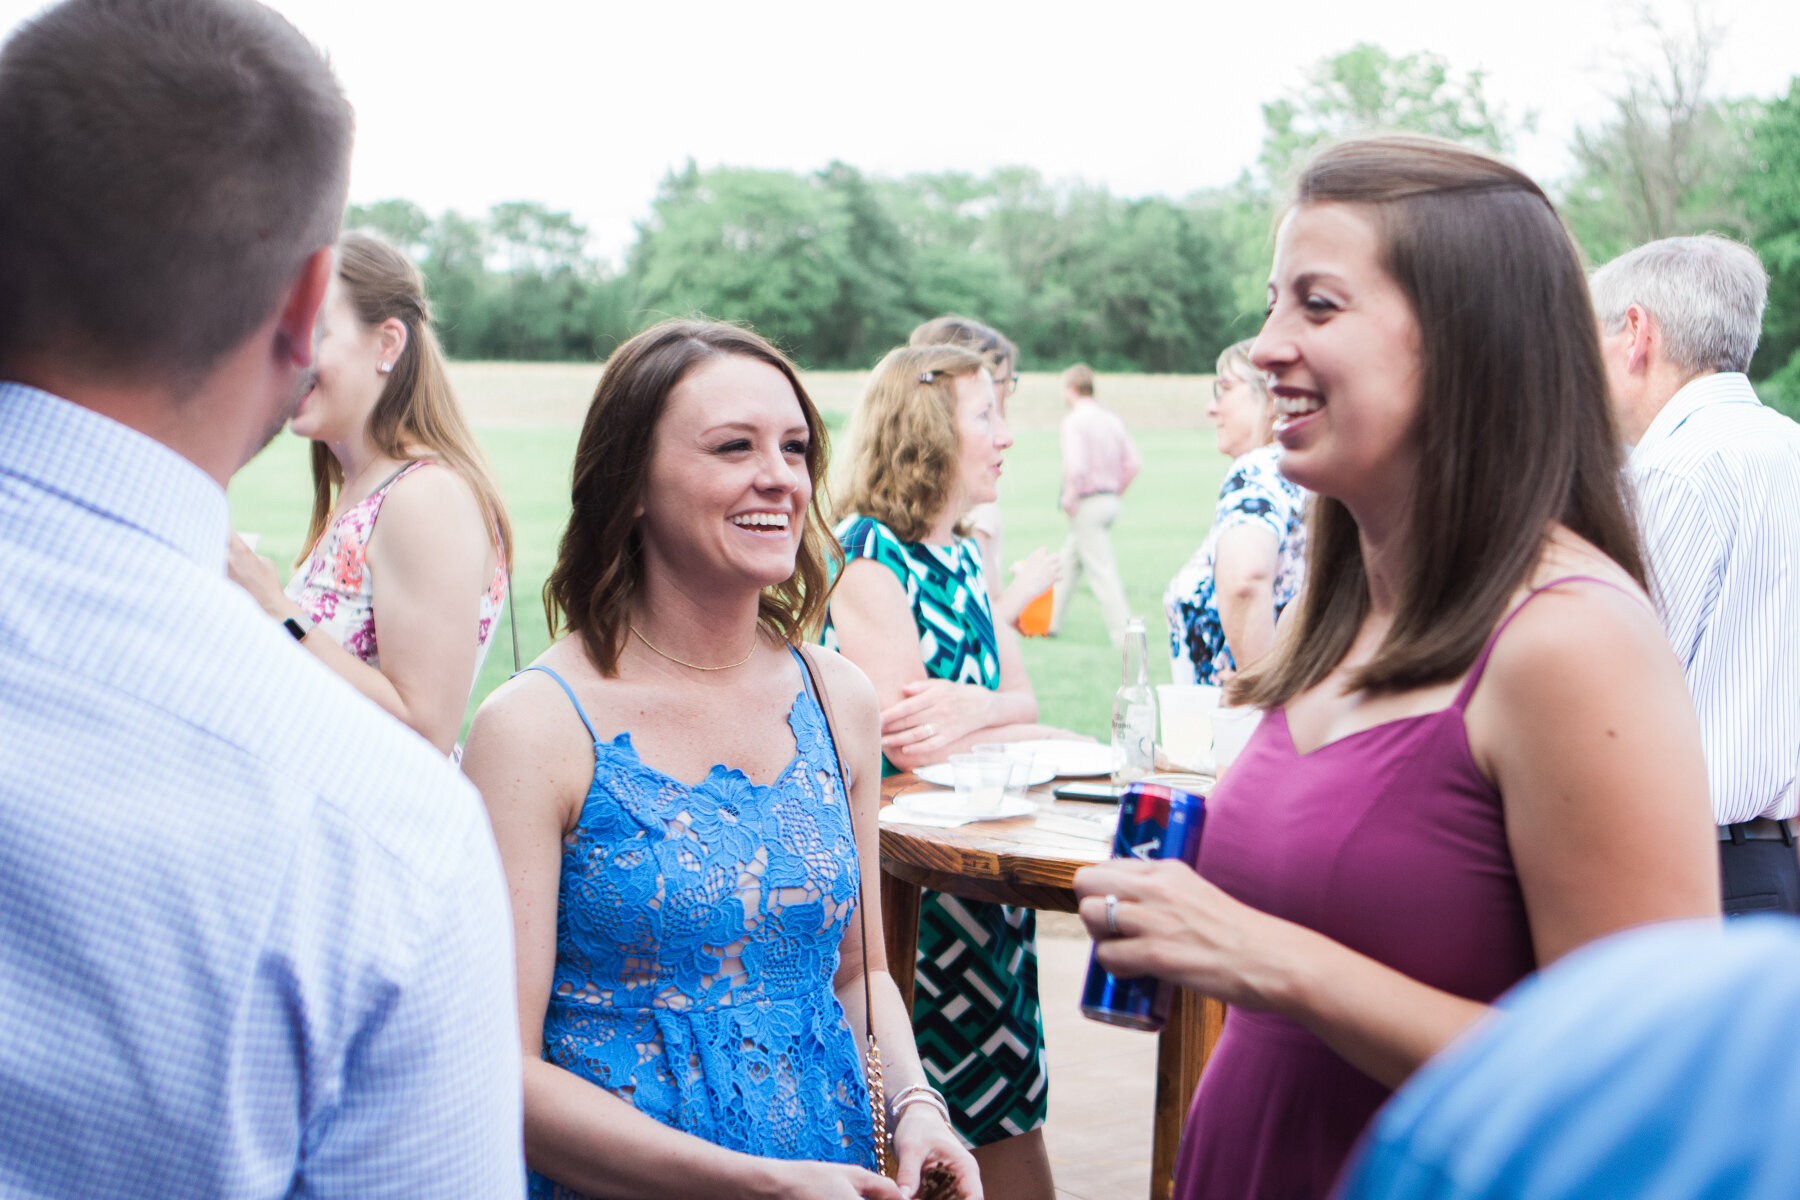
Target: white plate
pixel 1072 759
pixel 940 774
pixel 944 804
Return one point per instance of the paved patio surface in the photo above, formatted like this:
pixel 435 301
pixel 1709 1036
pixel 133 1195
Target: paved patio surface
pixel 1102 1079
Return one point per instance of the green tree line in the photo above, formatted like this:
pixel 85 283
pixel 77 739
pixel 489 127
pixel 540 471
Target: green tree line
pixel 838 265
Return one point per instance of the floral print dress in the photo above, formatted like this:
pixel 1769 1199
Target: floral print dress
pixel 1255 492
pixel 336 586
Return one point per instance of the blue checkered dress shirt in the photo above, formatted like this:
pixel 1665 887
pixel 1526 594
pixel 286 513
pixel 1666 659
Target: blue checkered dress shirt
pixel 253 933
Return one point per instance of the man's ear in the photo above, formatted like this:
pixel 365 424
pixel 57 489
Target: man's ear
pixel 300 311
pixel 1642 328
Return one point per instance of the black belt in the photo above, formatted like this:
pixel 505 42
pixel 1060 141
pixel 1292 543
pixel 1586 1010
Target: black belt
pixel 1761 829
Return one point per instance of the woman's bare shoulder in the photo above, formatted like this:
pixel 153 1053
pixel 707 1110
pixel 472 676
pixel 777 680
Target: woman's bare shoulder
pixel 851 691
pixel 433 489
pixel 528 727
pixel 431 527
pixel 1583 614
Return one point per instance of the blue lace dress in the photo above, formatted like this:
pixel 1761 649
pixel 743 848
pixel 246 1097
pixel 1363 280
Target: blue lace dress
pixel 697 935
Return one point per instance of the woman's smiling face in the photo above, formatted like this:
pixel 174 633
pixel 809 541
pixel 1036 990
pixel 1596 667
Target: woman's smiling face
pixel 1342 348
pixel 726 495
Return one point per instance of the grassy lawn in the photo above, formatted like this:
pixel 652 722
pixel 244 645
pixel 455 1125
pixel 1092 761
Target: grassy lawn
pixel 1165 516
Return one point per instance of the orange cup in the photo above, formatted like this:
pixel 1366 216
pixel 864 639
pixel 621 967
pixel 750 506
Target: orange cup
pixel 1034 619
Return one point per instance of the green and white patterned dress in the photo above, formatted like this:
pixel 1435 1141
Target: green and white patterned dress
pixel 975 1004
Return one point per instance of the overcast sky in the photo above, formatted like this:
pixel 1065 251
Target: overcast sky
pixel 585 105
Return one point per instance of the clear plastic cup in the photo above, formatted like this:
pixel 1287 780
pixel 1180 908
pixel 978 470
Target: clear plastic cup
pixel 980 780
pixel 1187 733
pixel 1021 756
pixel 1232 728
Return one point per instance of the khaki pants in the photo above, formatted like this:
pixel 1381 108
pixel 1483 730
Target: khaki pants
pixel 1089 549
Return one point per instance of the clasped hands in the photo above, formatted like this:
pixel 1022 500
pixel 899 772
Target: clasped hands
pixel 933 714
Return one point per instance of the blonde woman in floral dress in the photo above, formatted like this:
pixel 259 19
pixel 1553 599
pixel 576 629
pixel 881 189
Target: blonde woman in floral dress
pixel 402 497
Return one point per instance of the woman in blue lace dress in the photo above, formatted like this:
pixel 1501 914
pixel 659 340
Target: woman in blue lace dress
pixel 664 788
pixel 1223 603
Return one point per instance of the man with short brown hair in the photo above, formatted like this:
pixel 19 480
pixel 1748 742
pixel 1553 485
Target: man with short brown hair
pixel 1099 463
pixel 254 940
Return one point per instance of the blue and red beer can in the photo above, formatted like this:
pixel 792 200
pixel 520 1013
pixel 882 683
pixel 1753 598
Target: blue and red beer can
pixel 1155 822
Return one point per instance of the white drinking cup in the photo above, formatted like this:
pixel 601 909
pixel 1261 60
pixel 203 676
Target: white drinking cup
pixel 1231 728
pixel 1187 733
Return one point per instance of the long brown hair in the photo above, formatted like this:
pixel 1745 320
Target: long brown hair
pixel 599 564
pixel 905 446
pixel 417 414
pixel 1515 430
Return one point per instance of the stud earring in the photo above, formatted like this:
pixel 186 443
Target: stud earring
pixel 386 368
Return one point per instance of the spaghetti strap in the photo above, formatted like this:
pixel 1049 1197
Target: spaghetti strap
pixel 568 691
pixel 1481 660
pixel 805 673
pixel 406 468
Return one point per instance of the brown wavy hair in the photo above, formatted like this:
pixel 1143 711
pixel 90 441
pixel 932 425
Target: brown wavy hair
pixel 905 446
pixel 417 414
pixel 1515 429
pixel 599 564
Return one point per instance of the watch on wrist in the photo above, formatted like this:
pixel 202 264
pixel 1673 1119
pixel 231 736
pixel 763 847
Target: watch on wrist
pixel 299 626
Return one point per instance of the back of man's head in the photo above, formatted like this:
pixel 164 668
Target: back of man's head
pixel 166 169
pixel 1079 379
pixel 1706 294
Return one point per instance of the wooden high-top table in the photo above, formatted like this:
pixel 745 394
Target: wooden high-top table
pixel 1031 861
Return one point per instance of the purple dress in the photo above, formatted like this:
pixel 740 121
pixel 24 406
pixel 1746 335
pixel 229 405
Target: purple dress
pixel 1390 841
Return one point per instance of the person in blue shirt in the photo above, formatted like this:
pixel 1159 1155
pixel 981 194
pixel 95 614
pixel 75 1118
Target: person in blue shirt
pixel 254 938
pixel 1656 1064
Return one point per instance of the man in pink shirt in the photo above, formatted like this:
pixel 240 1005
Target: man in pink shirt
pixel 1099 463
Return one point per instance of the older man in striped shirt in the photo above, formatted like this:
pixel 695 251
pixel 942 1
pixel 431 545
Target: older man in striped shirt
pixel 1718 485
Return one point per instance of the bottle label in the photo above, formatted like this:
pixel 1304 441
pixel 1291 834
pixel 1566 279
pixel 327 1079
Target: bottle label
pixel 1134 743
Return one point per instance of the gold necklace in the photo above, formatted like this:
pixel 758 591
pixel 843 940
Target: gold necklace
pixel 683 662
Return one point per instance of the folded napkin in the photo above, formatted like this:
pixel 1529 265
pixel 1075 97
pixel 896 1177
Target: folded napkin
pixel 895 814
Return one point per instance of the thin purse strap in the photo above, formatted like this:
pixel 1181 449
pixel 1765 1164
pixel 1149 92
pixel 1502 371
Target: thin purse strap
pixel 877 1102
pixel 862 909
pixel 512 617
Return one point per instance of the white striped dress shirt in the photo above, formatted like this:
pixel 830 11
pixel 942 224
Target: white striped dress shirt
pixel 254 939
pixel 1718 486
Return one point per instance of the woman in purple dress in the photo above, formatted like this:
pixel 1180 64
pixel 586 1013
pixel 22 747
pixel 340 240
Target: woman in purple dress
pixel 1478 752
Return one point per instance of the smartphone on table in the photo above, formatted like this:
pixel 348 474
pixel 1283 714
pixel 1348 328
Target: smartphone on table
pixel 1097 793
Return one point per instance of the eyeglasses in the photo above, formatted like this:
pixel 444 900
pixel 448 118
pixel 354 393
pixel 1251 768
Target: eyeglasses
pixel 1224 383
pixel 1009 383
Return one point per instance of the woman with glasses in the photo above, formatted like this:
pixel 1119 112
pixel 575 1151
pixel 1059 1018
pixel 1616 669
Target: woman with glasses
pixel 1223 604
pixel 1039 571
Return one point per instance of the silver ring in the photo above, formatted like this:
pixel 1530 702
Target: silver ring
pixel 928 730
pixel 1112 915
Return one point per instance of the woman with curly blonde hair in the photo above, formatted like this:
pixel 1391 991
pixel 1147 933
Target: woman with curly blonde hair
pixel 913 610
